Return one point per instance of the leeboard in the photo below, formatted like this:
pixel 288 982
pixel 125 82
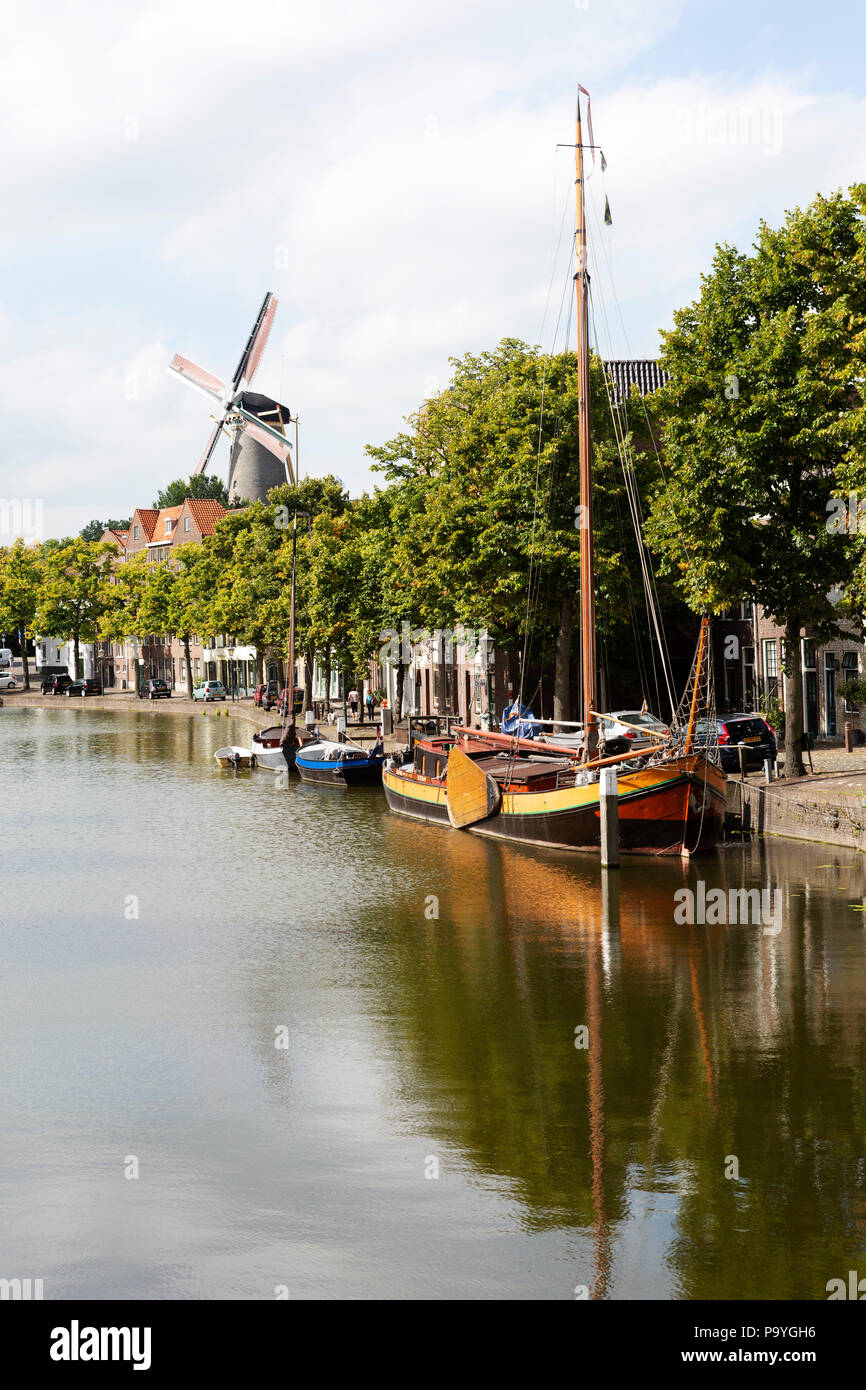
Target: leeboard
pixel 472 794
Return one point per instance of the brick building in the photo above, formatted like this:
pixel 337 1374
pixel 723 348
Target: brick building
pixel 125 664
pixel 749 674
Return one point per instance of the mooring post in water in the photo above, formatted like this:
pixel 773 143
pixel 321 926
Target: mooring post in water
pixel 609 806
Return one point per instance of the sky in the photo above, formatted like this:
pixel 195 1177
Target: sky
pixel 389 170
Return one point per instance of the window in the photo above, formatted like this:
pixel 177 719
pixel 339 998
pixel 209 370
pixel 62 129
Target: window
pixel 168 524
pixel 746 611
pixel 830 694
pixel 197 667
pixel 771 670
pixel 186 523
pixel 850 667
pixel 135 532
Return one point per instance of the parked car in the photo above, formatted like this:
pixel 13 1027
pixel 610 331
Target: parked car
pixel 283 703
pixel 750 731
pixel 265 696
pixel 154 690
pixel 7 682
pixel 55 685
pixel 85 687
pixel 5 658
pixel 209 690
pixel 638 727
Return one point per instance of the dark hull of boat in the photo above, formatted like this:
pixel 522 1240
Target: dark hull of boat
pixel 361 774
pixel 675 807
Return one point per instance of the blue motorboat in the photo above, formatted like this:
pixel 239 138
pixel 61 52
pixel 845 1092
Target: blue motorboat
pixel 340 764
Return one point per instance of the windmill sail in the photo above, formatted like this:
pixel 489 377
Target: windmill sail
pixel 257 341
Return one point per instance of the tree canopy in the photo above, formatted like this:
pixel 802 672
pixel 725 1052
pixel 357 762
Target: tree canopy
pixel 762 426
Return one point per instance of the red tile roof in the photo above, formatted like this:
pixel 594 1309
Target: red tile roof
pixel 147 516
pixel 206 512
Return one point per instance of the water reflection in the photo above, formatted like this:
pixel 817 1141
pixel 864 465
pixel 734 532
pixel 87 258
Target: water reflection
pixel 713 1050
pixel 708 1142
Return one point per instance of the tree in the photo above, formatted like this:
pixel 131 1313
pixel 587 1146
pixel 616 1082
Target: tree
pixel 310 498
pixel 247 595
pixel 177 597
pixel 762 426
pixel 20 585
pixel 94 529
pixel 199 485
pixel 75 592
pixel 488 533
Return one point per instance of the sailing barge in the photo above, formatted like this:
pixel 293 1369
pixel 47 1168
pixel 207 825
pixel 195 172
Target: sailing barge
pixel 671 797
pixel 672 806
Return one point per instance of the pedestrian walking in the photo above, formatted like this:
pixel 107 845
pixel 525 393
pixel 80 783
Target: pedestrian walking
pixel 371 703
pixel 352 697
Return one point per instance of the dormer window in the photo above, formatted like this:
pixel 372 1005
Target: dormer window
pixel 168 524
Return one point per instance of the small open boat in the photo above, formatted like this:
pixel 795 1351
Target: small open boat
pixel 234 757
pixel 340 764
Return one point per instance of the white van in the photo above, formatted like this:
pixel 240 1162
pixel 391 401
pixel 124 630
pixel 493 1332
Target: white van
pixel 5 658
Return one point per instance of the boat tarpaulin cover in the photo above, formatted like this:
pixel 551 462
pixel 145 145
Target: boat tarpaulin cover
pixel 518 719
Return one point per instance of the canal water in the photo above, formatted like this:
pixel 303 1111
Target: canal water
pixel 260 1040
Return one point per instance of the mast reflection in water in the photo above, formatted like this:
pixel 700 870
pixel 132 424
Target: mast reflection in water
pixel 317 998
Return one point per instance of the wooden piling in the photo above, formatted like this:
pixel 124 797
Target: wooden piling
pixel 609 807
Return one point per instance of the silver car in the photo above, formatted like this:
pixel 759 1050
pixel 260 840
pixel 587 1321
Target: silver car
pixel 641 729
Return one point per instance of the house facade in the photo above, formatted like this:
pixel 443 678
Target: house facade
pixel 126 664
pixel 749 675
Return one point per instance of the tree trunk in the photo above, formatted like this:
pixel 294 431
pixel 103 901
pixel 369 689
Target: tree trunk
pixel 309 658
pixel 562 674
pixel 75 650
pixel 260 666
pixel 327 680
pixel 793 702
pixel 188 662
pixel 25 664
pixel 398 700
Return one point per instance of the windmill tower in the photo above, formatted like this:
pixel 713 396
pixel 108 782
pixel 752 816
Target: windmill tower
pixel 260 456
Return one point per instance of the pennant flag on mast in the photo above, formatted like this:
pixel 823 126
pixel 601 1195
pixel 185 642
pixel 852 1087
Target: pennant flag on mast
pixel 608 220
pixel 588 120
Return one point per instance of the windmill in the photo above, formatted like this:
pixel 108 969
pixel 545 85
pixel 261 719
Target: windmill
pixel 260 455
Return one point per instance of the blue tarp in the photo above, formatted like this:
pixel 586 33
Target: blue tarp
pixel 517 719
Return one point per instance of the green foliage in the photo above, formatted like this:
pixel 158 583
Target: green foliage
pixel 853 692
pixel 762 419
pixel 93 531
pixel 74 595
pixel 763 426
pixel 199 485
pixel 486 492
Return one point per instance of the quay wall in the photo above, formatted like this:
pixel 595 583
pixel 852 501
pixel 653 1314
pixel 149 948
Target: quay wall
pixel 803 810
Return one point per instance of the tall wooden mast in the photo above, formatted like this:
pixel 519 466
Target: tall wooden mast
pixel 587 567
